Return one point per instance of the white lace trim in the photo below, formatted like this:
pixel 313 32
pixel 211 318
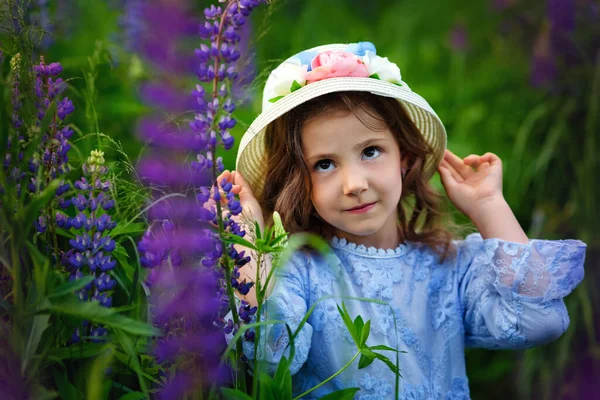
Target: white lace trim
pixel 362 250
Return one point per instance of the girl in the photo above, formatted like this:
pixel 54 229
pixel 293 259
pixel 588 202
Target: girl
pixel 343 148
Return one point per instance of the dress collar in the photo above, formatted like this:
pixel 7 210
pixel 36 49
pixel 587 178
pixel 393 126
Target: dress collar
pixel 362 250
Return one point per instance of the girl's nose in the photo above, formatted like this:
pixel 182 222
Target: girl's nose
pixel 355 181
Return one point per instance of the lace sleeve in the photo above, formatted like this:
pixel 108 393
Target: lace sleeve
pixel 512 293
pixel 288 303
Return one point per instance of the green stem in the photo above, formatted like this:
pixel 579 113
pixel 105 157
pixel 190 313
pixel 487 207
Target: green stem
pixel 257 330
pixel 52 225
pixel 330 378
pixel 240 366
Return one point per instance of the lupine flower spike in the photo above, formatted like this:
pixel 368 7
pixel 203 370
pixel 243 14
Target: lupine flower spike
pixel 90 252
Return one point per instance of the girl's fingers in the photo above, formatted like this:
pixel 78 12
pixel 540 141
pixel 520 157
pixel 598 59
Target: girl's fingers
pixel 457 164
pixel 475 161
pixel 490 158
pixel 225 174
pixel 456 176
pixel 245 191
pixel 472 160
pixel 447 178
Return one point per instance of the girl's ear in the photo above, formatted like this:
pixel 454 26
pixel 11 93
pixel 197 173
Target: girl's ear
pixel 403 166
pixel 404 163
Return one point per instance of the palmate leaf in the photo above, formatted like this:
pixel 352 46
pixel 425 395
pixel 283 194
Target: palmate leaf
pixel 366 331
pixel 359 324
pixel 348 322
pixel 276 239
pixel 94 312
pixel 393 367
pixel 235 239
pixel 257 231
pixel 384 347
pixel 365 361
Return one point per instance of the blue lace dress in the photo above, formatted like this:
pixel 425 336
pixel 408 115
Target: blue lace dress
pixel 493 294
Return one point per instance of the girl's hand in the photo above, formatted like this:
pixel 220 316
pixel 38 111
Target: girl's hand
pixel 253 212
pixel 248 202
pixel 473 182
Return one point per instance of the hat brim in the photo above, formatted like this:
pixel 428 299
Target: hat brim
pixel 251 152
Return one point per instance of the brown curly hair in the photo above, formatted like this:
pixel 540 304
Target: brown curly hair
pixel 288 184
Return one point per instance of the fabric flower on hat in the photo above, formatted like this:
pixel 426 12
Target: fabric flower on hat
pixel 306 57
pixel 356 60
pixel 332 64
pixel 382 68
pixel 284 76
pixel 361 48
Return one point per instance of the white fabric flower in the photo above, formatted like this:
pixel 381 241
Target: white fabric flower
pixel 384 68
pixel 281 79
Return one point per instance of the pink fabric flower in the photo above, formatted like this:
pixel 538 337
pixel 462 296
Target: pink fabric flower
pixel 332 64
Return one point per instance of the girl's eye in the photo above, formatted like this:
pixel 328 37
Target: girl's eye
pixel 371 152
pixel 323 165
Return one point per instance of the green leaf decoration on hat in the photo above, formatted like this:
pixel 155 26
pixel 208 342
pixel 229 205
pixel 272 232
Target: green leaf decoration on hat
pixel 274 99
pixel 295 86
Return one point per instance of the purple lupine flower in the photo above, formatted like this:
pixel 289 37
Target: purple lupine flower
pixel 64 108
pixel 55 145
pixel 180 245
pixel 52 156
pixel 92 245
pixel 217 63
pixel 188 295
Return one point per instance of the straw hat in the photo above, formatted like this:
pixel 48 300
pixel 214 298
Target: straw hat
pixel 327 69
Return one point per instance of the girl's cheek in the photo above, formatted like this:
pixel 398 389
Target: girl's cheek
pixel 386 170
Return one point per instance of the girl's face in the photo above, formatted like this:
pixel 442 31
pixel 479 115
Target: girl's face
pixel 356 176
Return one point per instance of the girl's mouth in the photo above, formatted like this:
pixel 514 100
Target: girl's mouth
pixel 362 208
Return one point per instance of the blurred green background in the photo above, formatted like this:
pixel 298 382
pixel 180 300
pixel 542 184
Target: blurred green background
pixel 514 77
